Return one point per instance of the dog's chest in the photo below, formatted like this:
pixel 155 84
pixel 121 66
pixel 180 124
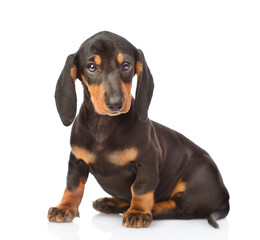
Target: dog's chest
pixel 115 180
pixel 115 170
pixel 115 158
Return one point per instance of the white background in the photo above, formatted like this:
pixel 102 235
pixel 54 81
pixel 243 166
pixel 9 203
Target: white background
pixel 205 58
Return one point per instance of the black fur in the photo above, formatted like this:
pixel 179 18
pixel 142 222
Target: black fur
pixel 65 95
pixel 144 90
pixel 164 156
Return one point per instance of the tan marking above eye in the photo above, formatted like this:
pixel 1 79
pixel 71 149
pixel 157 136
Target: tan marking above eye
pixel 120 58
pixel 122 157
pixel 97 60
pixel 83 154
pixel 139 69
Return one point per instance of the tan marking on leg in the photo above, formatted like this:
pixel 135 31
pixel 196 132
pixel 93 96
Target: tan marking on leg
pixel 118 202
pixel 139 69
pixel 140 212
pixel 163 207
pixel 121 203
pixel 73 198
pixel 73 73
pixel 126 88
pixel 123 157
pixel 179 188
pixel 67 209
pixel 97 60
pixel 120 58
pixel 110 205
pixel 144 202
pixel 83 154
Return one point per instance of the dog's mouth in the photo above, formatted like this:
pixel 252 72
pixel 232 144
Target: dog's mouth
pixel 114 113
pixel 102 109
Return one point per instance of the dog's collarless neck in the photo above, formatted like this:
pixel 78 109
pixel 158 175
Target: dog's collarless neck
pixel 102 127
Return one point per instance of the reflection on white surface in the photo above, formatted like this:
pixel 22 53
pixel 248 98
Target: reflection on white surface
pixel 110 227
pixel 66 231
pixel 178 229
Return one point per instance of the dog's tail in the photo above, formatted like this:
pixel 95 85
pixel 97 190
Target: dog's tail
pixel 214 216
pixel 212 219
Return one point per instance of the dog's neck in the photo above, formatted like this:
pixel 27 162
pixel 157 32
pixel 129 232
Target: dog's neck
pixel 102 127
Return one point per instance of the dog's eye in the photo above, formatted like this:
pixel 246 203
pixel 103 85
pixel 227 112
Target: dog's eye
pixel 92 67
pixel 126 66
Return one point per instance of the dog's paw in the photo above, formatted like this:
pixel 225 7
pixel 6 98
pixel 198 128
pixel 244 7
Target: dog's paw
pixel 62 214
pixel 137 219
pixel 110 205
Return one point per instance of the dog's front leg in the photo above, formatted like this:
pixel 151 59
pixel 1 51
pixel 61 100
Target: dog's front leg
pixel 67 210
pixel 139 214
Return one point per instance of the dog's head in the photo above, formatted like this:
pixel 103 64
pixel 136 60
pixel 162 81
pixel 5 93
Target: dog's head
pixel 106 64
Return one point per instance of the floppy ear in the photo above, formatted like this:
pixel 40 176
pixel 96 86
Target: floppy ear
pixel 65 94
pixel 145 85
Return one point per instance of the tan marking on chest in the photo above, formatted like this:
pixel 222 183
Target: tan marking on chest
pixel 122 157
pixel 83 154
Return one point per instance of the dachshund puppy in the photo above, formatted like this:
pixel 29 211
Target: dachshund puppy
pixel 151 171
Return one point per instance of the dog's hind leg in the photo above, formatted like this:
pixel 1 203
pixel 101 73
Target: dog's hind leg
pixel 162 209
pixel 111 205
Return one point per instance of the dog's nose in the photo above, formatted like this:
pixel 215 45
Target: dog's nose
pixel 115 104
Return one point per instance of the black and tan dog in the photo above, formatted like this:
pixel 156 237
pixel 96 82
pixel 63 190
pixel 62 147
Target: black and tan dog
pixel 151 171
